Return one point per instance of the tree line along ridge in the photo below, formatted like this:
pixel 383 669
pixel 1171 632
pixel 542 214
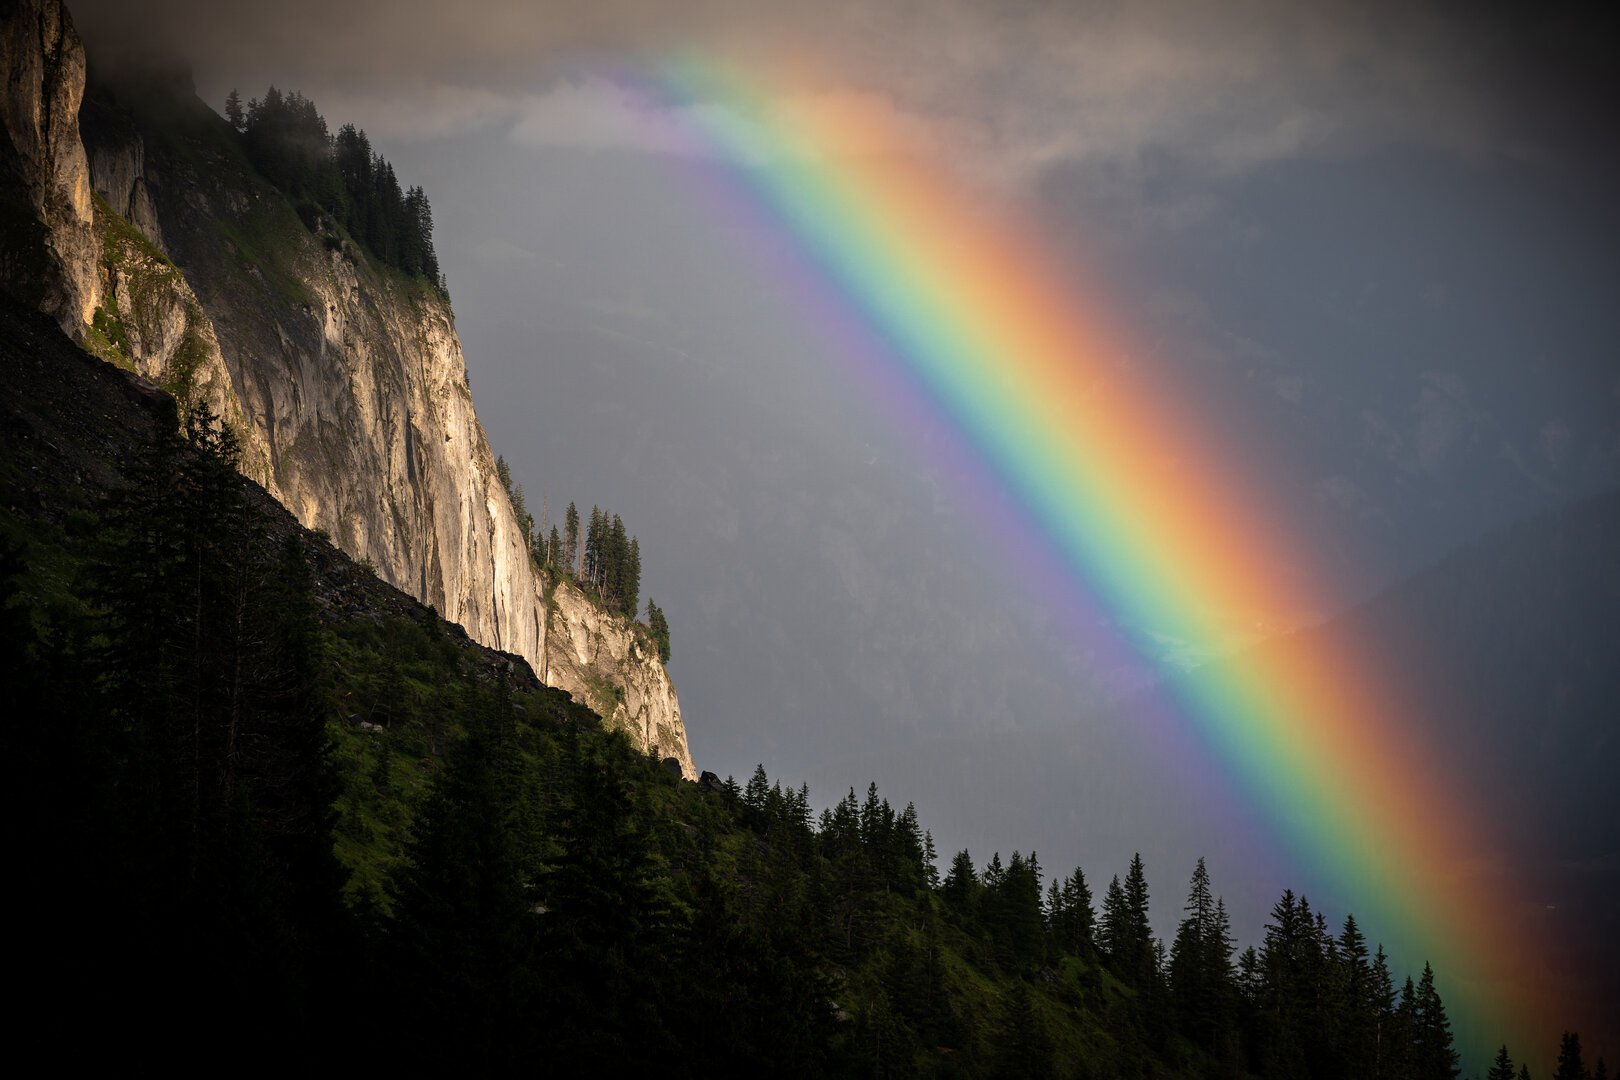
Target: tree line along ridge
pixel 339 177
pixel 605 560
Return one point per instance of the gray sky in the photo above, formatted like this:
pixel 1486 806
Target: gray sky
pixel 1378 241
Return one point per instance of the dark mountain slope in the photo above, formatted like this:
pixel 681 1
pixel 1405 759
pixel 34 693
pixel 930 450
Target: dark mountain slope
pixel 67 423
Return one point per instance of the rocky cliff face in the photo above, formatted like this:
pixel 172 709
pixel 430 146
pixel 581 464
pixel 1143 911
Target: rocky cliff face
pixel 611 664
pixel 47 238
pixel 344 379
pixel 149 320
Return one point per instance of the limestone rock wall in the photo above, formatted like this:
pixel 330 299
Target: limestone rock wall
pixel 612 665
pixel 118 168
pixel 150 320
pixel 47 236
pixel 344 380
pixel 349 389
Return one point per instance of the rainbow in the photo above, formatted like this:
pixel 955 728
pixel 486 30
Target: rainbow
pixel 1145 505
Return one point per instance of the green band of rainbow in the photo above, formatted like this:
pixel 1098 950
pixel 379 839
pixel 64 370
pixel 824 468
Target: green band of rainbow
pixel 1123 478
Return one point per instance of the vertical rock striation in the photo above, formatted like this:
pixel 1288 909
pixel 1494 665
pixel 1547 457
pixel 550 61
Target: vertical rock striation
pixel 156 243
pixel 611 664
pixel 47 235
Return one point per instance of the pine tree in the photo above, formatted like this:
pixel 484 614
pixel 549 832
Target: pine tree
pixel 594 533
pixel 1382 994
pixel 464 903
pixel 961 888
pixel 208 737
pixel 1436 1056
pixel 1114 935
pixel 1078 926
pixel 1023 1049
pixel 571 553
pixel 1359 1014
pixel 617 558
pixel 1403 1058
pixel 1200 964
pixel 659 626
pixel 1218 951
pixel 1139 960
pixel 1287 992
pixel 606 925
pixel 233 110
pixel 1502 1069
pixel 911 854
pixel 1571 1065
pixel 525 520
pixel 1013 912
pixel 630 598
pixel 754 795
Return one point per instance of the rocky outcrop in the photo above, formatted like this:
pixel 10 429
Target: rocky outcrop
pixel 347 386
pixel 611 664
pixel 343 380
pixel 118 168
pixel 47 236
pixel 150 321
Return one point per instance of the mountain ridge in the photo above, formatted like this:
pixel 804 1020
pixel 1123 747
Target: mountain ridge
pixel 343 378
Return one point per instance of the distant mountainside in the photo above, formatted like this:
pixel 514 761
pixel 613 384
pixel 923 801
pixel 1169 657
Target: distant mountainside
pixel 1505 654
pixel 1508 652
pixel 1507 659
pixel 142 224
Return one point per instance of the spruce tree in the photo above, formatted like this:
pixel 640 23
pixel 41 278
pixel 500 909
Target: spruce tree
pixel 1079 921
pixel 961 889
pixel 1502 1068
pixel 1114 935
pixel 233 110
pixel 1023 1049
pixel 1382 992
pixel 759 786
pixel 1436 1056
pixel 1403 1059
pixel 630 598
pixel 1189 975
pixel 211 741
pixel 1287 993
pixel 606 929
pixel 1571 1065
pixel 659 626
pixel 594 535
pixel 1357 1008
pixel 616 574
pixel 1139 959
pixel 570 550
pixel 1201 964
pixel 466 911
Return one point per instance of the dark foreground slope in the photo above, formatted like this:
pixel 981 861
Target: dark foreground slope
pixel 267 808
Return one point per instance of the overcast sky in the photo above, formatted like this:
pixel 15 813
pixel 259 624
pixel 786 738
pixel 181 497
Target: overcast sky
pixel 1378 240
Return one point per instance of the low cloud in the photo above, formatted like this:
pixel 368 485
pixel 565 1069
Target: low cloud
pixel 1009 88
pixel 595 113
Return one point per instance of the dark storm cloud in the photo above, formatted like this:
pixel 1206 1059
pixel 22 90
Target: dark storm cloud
pixel 1011 87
